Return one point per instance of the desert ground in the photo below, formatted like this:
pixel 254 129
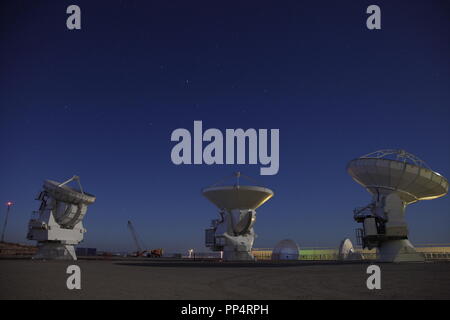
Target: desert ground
pixel 192 280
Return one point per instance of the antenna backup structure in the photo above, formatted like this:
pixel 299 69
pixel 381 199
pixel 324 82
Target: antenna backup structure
pixel 395 178
pixel 58 226
pixel 233 233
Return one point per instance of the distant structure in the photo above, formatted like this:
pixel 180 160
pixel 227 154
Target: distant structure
pixel 286 250
pixel 58 225
pixel 9 204
pixel 141 246
pixel 347 252
pixel 395 178
pixel 233 232
pixel 86 252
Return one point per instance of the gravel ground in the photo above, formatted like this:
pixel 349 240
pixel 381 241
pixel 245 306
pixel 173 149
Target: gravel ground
pixel 157 279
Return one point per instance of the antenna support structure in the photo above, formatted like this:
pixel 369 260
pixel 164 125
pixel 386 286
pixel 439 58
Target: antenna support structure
pixel 233 233
pixel 395 178
pixel 57 224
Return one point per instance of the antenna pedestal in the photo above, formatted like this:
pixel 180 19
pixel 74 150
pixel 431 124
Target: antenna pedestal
pixel 55 251
pixel 239 248
pixel 233 233
pixel 385 228
pixel 399 251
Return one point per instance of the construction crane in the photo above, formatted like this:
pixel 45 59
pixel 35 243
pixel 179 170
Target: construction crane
pixel 141 251
pixel 8 208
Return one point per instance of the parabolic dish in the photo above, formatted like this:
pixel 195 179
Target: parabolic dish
pixel 238 197
pixel 346 247
pixel 67 194
pixel 412 182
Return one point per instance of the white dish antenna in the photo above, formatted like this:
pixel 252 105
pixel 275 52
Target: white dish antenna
pixel 58 225
pixel 346 247
pixel 68 201
pixel 388 171
pixel 347 251
pixel 395 178
pixel 233 233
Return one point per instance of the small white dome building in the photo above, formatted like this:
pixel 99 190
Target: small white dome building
pixel 286 250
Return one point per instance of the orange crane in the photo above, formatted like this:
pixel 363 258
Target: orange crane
pixel 141 252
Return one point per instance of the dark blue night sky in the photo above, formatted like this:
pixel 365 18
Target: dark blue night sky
pixel 102 103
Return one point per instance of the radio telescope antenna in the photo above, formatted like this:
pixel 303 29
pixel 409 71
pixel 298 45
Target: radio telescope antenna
pixel 347 252
pixel 58 224
pixel 395 178
pixel 233 233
